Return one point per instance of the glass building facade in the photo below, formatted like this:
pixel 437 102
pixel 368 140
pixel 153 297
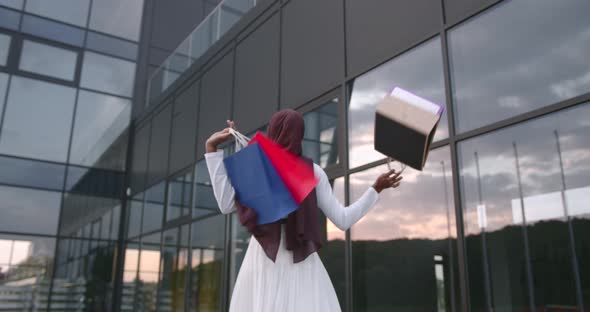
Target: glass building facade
pixel 105 199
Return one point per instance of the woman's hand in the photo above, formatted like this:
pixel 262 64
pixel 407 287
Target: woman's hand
pixel 387 180
pixel 219 137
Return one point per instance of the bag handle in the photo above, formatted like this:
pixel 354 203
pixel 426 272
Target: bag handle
pixel 241 140
pixel 390 160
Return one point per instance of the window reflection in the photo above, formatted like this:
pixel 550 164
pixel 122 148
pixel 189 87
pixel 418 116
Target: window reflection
pixel 332 252
pixel 28 210
pixel 107 74
pixel 84 280
pixel 26 262
pixel 134 215
pixel 4 49
pixel 394 246
pixel 511 60
pixel 153 208
pixel 69 11
pixel 31 173
pixel 204 202
pixel 174 273
pixel 148 273
pixel 119 18
pixel 179 197
pixel 87 210
pixel 321 141
pixel 100 130
pixel 53 30
pixel 207 237
pixel 419 70
pixel 525 197
pixel 48 60
pixel 9 19
pixel 3 85
pixel 37 120
pixel 15 4
pixel 112 46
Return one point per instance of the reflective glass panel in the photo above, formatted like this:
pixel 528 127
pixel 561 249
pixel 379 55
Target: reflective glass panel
pixel 174 273
pixel 321 140
pixel 207 237
pixel 84 212
pixel 69 11
pixel 37 120
pixel 110 45
pixel 119 18
pixel 101 121
pixel 48 60
pixel 511 59
pixel 397 246
pixel 153 207
pixel 332 252
pixel 148 273
pixel 179 197
pixel 526 201
pixel 31 173
pixel 107 74
pixel 4 49
pixel 28 210
pixel 15 4
pixel 134 212
pixel 204 202
pixel 25 263
pixel 53 30
pixel 9 19
pixel 84 281
pixel 419 71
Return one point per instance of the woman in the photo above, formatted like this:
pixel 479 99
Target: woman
pixel 281 270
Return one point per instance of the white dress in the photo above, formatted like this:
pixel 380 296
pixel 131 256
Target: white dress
pixel 266 286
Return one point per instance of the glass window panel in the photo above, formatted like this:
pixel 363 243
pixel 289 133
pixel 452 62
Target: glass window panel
pixel 110 45
pixel 419 71
pixel 114 234
pixel 533 179
pixel 119 18
pixel 229 15
pixel 172 285
pixel 332 252
pixel 48 60
pixel 105 183
pixel 148 273
pixel 204 202
pixel 37 120
pixel 4 49
pixel 100 122
pixel 82 211
pixel 53 30
pixel 153 207
pixel 179 197
pixel 320 141
pixel 30 173
pixel 511 60
pixel 203 36
pixel 15 4
pixel 25 262
pixel 207 237
pixel 3 85
pixel 107 74
pixel 9 19
pixel 29 211
pixel 134 216
pixel 394 246
pixel 69 11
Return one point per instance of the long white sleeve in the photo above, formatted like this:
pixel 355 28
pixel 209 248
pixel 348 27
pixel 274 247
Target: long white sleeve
pixel 222 189
pixel 342 217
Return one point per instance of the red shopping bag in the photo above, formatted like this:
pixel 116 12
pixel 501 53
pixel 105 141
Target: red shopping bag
pixel 295 172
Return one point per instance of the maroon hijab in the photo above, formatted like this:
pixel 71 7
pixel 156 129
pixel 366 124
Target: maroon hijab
pixel 302 227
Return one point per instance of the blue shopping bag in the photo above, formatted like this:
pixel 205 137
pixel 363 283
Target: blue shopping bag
pixel 258 185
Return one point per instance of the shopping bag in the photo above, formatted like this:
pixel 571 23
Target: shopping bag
pixel 296 174
pixel 258 185
pixel 405 125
